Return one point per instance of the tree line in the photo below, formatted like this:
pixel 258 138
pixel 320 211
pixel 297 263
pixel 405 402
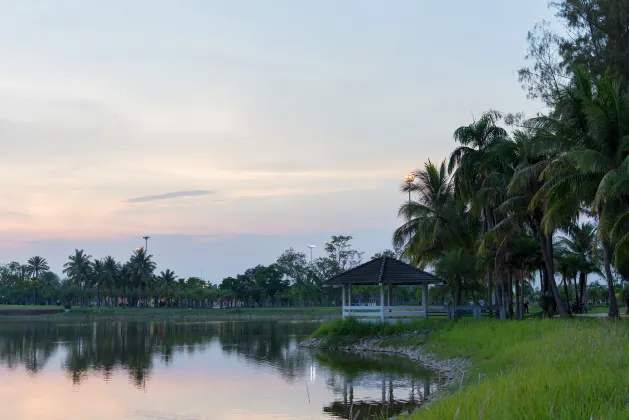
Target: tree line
pixel 544 197
pixel 291 280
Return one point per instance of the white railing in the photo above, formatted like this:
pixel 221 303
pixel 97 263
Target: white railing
pixel 395 313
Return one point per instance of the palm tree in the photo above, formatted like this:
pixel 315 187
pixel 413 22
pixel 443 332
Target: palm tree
pixel 141 270
pixel 581 241
pixel 48 279
pixel 169 285
pixel 468 165
pixel 36 266
pixel 590 132
pixel 429 226
pixel 526 207
pixel 97 277
pixel 111 276
pixel 78 269
pixel 125 281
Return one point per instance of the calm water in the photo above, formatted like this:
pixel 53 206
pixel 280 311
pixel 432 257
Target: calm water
pixel 193 371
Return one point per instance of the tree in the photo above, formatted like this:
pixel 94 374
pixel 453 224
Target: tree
pixel 428 228
pixel 581 241
pixel 78 269
pixel 141 268
pixel 111 276
pixel 36 266
pixel 169 285
pixel 341 256
pixel 588 132
pixel 386 253
pixel 98 275
pixel 597 39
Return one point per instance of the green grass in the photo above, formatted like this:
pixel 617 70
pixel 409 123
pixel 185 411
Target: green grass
pixel 537 369
pixel 166 313
pixel 601 309
pixel 339 332
pixel 28 307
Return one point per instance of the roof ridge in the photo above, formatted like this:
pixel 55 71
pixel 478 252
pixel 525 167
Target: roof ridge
pixel 384 261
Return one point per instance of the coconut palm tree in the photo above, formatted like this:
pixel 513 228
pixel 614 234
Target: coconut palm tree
pixel 97 277
pixel 141 270
pixel 526 206
pixel 37 265
pixel 111 276
pixel 472 177
pixel 581 240
pixel 79 269
pixel 590 133
pixel 429 226
pixel 48 279
pixel 169 285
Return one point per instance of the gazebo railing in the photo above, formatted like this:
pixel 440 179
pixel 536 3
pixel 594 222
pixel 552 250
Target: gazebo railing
pixel 395 313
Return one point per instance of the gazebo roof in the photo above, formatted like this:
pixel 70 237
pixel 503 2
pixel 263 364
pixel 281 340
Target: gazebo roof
pixel 385 270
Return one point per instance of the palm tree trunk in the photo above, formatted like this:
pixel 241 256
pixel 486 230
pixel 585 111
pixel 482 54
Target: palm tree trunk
pixel 613 303
pixel 582 288
pixel 518 308
pixel 521 294
pixel 510 293
pixel 565 286
pixel 547 252
pixel 502 315
pixel 577 298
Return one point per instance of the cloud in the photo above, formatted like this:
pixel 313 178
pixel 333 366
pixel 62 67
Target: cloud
pixel 167 196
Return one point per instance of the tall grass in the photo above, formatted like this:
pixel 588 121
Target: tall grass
pixel 349 330
pixel 537 369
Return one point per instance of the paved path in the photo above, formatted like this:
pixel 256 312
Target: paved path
pixel 601 315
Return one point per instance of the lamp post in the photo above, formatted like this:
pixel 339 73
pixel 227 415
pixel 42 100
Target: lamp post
pixel 146 243
pixel 311 248
pixel 409 180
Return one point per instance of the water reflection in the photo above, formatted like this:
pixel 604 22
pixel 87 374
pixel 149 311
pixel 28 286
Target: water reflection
pixel 336 384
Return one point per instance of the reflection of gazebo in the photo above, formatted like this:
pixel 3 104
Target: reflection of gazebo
pixel 389 272
pixel 386 407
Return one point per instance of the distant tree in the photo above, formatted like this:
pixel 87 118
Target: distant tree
pixel 36 266
pixel 141 268
pixel 78 269
pixel 111 276
pixel 386 253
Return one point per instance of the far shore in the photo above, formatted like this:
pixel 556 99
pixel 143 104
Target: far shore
pixel 57 313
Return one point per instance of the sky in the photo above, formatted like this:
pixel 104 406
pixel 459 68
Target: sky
pixel 229 131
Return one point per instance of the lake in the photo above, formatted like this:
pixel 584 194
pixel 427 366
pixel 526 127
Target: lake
pixel 194 371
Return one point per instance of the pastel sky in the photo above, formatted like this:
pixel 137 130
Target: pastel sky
pixel 229 131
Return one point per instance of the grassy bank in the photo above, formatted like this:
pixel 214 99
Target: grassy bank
pixel 533 369
pixel 177 313
pixel 558 369
pixel 339 332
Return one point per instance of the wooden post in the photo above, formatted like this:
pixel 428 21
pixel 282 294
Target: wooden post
pixel 343 301
pixel 389 296
pixel 381 302
pixel 349 295
pixel 425 299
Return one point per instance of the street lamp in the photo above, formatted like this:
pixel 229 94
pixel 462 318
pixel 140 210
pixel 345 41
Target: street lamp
pixel 146 243
pixel 409 180
pixel 311 248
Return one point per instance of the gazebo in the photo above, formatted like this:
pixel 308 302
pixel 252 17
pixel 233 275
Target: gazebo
pixel 384 272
